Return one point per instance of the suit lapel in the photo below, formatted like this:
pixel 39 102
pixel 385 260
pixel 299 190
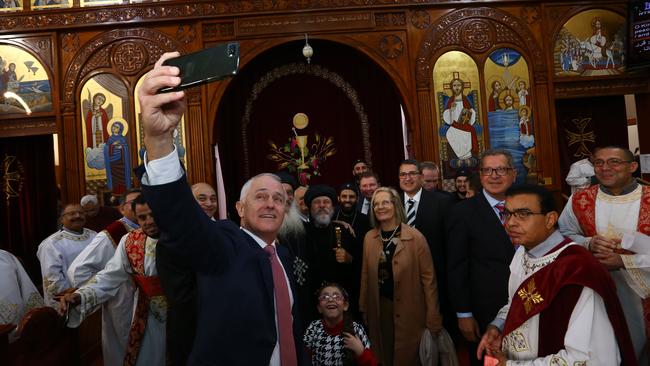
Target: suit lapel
pixel 486 210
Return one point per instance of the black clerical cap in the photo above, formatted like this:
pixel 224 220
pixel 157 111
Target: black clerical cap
pixel 345 186
pixel 319 190
pixel 286 177
pixel 462 172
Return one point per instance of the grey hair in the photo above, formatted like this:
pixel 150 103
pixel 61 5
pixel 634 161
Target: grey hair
pixel 429 165
pixel 497 152
pixel 247 186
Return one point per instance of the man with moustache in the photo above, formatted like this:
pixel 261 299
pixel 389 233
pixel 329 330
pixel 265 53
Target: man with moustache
pixel 57 251
pixel 134 260
pixel 336 254
pixel 293 236
pixel 612 220
pixel 346 212
pixel 479 250
pixel 117 311
pixel 562 307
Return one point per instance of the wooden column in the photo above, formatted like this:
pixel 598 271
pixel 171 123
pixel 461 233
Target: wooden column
pixel 643 124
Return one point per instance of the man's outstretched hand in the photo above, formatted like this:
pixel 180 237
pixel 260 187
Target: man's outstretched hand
pixel 162 112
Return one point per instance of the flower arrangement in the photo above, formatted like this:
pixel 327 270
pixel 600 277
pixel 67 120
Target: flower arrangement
pixel 304 160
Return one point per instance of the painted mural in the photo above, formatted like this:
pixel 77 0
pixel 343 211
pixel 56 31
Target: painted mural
pixel 591 43
pixel 10 5
pixel 24 84
pixel 179 132
pixel 460 126
pixel 51 4
pixel 510 117
pixel 106 141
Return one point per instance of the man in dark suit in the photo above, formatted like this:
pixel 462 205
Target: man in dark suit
pixel 427 212
pixel 245 313
pixel 480 251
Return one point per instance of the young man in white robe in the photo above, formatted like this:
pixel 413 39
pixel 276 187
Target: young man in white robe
pixel 134 259
pixel 117 312
pixel 57 251
pixel 562 305
pixel 18 295
pixel 612 220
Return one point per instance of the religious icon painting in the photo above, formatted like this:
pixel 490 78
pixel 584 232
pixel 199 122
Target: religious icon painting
pixel 591 43
pixel 458 110
pixel 179 133
pixel 106 141
pixel 24 83
pixel 10 5
pixel 50 4
pixel 509 101
pixel 84 3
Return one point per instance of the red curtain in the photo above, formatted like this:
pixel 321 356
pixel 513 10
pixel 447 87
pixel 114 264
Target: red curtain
pixel 28 206
pixel 586 123
pixel 332 110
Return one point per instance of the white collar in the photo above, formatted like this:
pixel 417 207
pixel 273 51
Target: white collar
pixel 416 197
pixel 257 239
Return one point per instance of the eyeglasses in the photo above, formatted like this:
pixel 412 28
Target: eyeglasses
pixel 413 174
pixel 80 213
pixel 332 297
pixel 501 171
pixel 384 203
pixel 521 214
pixel 614 163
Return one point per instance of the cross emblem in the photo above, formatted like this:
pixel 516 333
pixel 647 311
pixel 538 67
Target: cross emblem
pixel 581 136
pixel 530 296
pixel 456 76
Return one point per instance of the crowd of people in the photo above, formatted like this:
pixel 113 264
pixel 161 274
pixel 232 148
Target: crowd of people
pixel 362 274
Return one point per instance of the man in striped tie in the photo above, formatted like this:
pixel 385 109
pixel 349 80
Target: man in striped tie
pixel 427 212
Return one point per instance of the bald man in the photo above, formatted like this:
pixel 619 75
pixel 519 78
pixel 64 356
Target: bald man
pixel 206 197
pixel 179 285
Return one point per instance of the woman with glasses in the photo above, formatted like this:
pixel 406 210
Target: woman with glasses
pixel 399 296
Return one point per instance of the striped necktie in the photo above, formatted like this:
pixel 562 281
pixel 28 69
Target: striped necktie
pixel 410 212
pixel 501 207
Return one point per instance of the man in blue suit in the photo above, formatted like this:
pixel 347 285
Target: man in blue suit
pixel 245 312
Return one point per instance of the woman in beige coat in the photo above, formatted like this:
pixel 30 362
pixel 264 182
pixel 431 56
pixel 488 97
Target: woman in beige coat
pixel 399 296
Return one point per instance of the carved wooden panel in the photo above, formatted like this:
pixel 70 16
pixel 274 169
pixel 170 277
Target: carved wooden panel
pixel 218 31
pixel 303 23
pixel 476 29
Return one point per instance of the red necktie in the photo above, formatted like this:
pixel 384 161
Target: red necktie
pixel 283 304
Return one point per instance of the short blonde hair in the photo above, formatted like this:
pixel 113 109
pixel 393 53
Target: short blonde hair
pixel 400 215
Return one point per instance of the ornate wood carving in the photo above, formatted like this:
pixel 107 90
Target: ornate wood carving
pixel 40 46
pixel 129 57
pixel 586 88
pixel 186 33
pixel 70 42
pixel 303 22
pixel 530 14
pixel 218 31
pixel 390 19
pixel 28 126
pixel 421 19
pixel 469 28
pixel 391 46
pixel 110 49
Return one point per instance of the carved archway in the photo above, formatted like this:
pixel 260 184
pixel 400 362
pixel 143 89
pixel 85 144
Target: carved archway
pixel 127 51
pixel 312 70
pixel 477 30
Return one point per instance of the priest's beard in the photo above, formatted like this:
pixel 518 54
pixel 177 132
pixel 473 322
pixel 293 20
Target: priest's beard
pixel 323 217
pixel 292 225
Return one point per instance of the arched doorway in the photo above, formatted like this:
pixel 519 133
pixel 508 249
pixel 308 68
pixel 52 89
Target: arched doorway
pixel 352 106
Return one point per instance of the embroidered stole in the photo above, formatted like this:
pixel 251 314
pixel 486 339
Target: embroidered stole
pixel 116 230
pixel 584 208
pixel 148 287
pixel 555 288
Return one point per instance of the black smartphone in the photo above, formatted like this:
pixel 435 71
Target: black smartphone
pixel 210 64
